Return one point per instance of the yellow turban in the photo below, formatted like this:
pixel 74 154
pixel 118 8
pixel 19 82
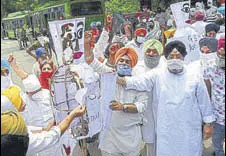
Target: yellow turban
pixel 13 123
pixel 170 33
pixel 130 52
pixel 13 94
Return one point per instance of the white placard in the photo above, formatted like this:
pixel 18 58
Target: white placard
pixel 107 95
pixel 179 13
pixel 191 40
pixel 68 39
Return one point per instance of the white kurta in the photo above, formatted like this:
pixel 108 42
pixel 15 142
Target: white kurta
pixel 124 132
pixel 123 135
pixel 181 103
pixel 38 112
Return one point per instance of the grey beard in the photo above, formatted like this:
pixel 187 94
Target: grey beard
pixel 151 62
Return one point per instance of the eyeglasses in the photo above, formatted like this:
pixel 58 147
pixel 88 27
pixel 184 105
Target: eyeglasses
pixel 121 60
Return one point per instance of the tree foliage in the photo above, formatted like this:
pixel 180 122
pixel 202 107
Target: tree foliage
pixel 124 6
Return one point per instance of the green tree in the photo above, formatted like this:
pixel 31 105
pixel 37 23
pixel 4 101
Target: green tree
pixel 124 6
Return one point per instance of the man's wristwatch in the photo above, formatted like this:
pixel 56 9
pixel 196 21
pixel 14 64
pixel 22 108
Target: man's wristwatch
pixel 125 108
pixel 210 124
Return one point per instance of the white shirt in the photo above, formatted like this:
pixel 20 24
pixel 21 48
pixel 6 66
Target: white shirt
pixel 42 141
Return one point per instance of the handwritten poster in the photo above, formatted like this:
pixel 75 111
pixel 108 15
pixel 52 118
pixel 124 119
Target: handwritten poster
pixel 191 41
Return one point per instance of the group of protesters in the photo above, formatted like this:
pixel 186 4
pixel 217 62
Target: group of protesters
pixel 161 102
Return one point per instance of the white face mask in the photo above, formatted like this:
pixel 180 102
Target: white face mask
pixel 140 39
pixel 6 82
pixel 175 66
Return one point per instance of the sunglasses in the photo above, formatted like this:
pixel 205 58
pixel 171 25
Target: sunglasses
pixel 121 60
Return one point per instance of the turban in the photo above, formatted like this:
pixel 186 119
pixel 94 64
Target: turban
pixel 5 64
pixel 169 33
pixel 221 10
pixel 130 52
pixel 141 31
pixel 107 51
pixel 210 42
pixel 13 94
pixel 39 51
pixel 153 43
pixel 175 44
pixel 212 27
pixel 199 16
pixel 13 123
pixel 31 83
pixel 6 105
pixel 221 43
pixel 14 144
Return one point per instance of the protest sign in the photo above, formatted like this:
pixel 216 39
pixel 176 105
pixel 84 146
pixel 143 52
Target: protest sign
pixel 191 40
pixel 180 12
pixel 68 39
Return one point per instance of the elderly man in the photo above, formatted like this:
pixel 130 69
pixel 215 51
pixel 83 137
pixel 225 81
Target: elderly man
pixel 138 42
pixel 153 50
pixel 214 75
pixel 181 103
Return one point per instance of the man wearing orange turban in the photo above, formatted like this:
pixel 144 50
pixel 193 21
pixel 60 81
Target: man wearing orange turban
pixel 130 53
pixel 123 135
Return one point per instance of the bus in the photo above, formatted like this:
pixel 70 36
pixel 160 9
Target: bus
pixel 14 21
pixel 92 10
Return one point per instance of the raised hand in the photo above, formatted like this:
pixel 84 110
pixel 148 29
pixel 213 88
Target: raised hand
pixel 12 60
pixel 89 56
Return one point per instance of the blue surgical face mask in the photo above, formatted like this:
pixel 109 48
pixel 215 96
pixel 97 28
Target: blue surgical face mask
pixel 124 70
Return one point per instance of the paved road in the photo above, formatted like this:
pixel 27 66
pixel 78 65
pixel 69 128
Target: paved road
pixel 25 62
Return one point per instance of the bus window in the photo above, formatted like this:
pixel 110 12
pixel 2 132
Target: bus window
pixel 86 8
pixel 53 16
